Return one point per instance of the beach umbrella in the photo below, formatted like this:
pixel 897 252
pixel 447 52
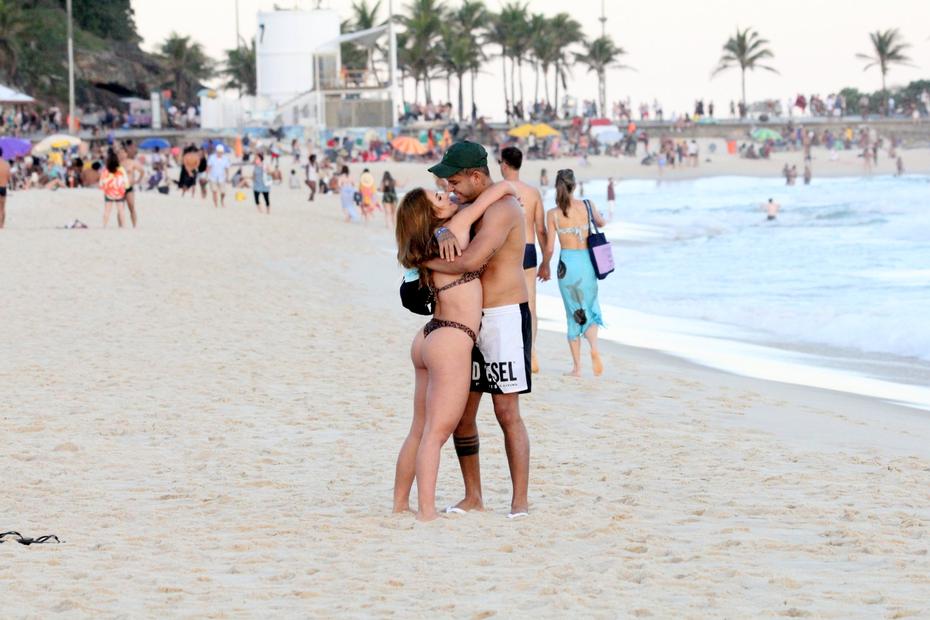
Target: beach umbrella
pixel 409 145
pixel 14 147
pixel 611 136
pixel 523 131
pixel 154 143
pixel 764 134
pixel 55 141
pixel 542 130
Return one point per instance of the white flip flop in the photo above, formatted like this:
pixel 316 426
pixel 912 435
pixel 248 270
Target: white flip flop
pixel 454 510
pixel 518 515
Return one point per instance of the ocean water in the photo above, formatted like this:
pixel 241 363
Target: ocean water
pixel 839 282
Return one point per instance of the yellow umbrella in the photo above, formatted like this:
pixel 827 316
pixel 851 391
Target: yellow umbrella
pixel 56 141
pixel 542 130
pixel 408 145
pixel 523 131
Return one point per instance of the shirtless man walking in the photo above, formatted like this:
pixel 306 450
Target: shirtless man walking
pixel 134 173
pixel 510 162
pixel 501 359
pixel 4 185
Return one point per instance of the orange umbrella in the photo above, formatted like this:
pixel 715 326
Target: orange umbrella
pixel 409 145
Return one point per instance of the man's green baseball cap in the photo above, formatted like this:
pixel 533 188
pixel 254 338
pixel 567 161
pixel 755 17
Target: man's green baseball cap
pixel 460 156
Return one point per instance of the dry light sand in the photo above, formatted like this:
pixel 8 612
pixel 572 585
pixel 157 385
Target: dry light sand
pixel 207 410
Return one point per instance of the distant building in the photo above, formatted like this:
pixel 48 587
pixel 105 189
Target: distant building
pixel 300 80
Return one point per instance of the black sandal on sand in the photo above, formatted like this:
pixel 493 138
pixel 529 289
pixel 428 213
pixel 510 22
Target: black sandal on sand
pixel 29 541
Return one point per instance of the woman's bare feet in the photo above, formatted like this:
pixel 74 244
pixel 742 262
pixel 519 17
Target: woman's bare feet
pixel 534 364
pixel 574 372
pixel 597 364
pixel 425 517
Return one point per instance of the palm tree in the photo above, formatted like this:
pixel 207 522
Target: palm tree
pixel 459 54
pixel 13 25
pixel 351 56
pixel 498 34
pixel 514 18
pixel 744 50
pixel 363 18
pixel 564 31
pixel 239 68
pixel 887 49
pixel 187 64
pixel 599 55
pixel 471 17
pixel 537 31
pixel 423 26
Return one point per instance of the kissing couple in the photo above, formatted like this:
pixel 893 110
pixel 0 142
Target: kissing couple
pixel 465 267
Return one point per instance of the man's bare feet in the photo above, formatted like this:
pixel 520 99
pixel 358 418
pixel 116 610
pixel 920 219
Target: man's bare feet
pixel 597 364
pixel 574 372
pixel 470 503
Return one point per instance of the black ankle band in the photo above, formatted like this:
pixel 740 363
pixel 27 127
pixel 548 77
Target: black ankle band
pixel 466 446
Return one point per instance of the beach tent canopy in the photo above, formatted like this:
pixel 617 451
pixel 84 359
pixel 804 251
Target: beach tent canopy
pixel 8 95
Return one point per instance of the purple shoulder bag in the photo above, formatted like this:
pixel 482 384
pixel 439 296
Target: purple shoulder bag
pixel 602 254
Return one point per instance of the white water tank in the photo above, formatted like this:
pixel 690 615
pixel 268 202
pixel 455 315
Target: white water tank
pixel 284 46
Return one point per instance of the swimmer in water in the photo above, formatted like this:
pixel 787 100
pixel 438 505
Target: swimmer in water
pixel 771 209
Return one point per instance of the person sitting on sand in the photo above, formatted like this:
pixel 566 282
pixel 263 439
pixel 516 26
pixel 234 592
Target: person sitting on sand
pixel 570 221
pixel 442 351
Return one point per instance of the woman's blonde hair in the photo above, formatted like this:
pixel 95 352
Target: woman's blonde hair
pixel 564 188
pixel 416 223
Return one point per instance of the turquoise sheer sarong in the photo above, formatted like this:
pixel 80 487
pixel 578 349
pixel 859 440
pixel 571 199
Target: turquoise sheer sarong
pixel 578 286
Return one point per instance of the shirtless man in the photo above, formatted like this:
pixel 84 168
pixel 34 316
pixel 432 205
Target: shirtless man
pixel 771 209
pixel 501 359
pixel 4 185
pixel 134 173
pixel 510 162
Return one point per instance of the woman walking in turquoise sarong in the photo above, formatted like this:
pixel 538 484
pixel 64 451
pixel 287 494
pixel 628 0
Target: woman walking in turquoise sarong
pixel 577 281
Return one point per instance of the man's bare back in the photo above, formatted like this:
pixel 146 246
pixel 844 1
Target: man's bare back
pixel 533 214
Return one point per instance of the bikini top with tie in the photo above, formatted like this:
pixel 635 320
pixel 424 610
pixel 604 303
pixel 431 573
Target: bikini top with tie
pixel 568 230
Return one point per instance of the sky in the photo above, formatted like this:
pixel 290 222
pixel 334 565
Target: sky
pixel 672 45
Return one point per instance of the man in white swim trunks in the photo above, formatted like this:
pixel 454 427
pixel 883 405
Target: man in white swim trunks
pixel 217 175
pixel 501 359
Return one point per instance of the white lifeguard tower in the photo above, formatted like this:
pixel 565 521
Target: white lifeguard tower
pixel 299 71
